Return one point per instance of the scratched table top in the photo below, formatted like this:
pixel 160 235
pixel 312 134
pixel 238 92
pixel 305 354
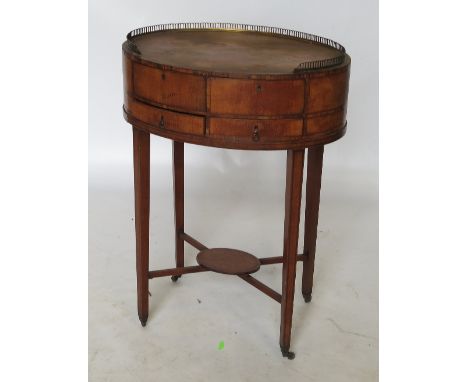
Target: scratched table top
pixel 232 51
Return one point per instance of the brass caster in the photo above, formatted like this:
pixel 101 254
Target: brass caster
pixel 287 353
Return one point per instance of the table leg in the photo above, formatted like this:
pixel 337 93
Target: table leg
pixel 314 176
pixel 295 166
pixel 141 171
pixel 178 181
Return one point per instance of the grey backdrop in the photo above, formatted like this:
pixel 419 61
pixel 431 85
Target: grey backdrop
pixel 233 199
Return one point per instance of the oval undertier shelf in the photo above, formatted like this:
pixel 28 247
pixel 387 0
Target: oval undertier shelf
pixel 228 261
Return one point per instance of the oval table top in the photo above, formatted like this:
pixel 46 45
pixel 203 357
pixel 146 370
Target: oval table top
pixel 231 51
pixel 235 85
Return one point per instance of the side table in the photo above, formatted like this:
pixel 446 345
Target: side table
pixel 234 86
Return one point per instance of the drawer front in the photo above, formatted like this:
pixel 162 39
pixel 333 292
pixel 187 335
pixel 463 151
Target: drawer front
pixel 323 122
pixel 250 97
pixel 127 76
pixel 169 120
pixel 186 91
pixel 328 92
pixel 254 129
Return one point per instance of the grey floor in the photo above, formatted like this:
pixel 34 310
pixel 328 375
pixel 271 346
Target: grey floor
pixel 335 337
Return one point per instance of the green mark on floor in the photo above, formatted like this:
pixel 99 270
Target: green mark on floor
pixel 221 345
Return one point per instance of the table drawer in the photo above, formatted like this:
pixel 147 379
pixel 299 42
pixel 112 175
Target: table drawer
pixel 328 92
pixel 127 76
pixel 262 97
pixel 328 121
pixel 186 91
pixel 255 129
pixel 165 119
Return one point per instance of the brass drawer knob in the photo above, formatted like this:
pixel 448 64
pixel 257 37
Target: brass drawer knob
pixel 255 135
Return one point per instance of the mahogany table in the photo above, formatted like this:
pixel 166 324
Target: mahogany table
pixel 234 86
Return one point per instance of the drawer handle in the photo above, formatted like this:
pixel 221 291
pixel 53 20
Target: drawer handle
pixel 162 123
pixel 255 135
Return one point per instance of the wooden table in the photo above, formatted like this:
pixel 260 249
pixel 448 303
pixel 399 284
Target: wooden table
pixel 234 86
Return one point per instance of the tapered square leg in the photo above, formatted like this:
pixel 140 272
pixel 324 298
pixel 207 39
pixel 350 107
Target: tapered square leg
pixel 294 170
pixel 141 169
pixel 178 180
pixel 314 177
